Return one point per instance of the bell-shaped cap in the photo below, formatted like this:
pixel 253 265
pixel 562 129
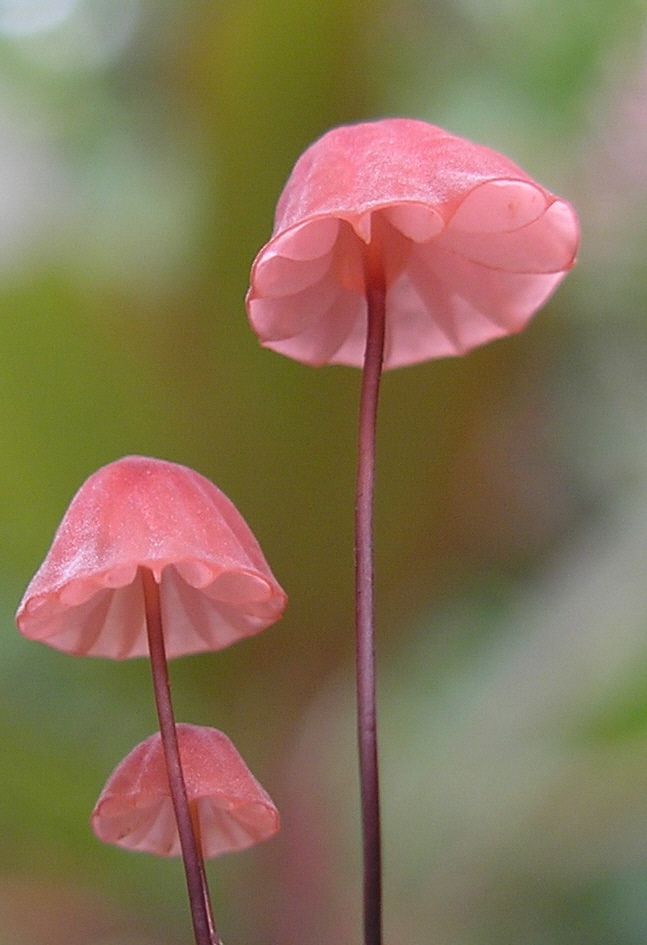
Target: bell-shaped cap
pixel 468 244
pixel 230 808
pixel 215 585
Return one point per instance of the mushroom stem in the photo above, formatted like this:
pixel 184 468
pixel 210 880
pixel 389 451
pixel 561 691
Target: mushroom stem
pixel 195 821
pixel 364 607
pixel 203 925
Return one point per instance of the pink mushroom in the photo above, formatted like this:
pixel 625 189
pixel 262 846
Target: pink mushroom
pixel 230 809
pixel 146 515
pixel 468 244
pixel 396 242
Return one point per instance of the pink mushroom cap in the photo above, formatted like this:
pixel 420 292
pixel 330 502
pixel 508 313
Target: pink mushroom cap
pixel 469 244
pixel 231 809
pixel 215 585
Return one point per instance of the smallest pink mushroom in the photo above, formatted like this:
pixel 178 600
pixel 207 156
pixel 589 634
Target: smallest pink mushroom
pixel 230 809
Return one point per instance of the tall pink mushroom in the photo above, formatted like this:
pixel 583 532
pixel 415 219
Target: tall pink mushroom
pixel 151 557
pixel 396 242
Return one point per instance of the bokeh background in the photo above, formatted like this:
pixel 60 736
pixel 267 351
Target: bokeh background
pixel 143 144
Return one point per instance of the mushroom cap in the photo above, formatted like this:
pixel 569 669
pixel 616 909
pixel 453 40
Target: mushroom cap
pixel 233 810
pixel 470 246
pixel 215 585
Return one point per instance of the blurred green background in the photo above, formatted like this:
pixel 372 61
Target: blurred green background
pixel 142 147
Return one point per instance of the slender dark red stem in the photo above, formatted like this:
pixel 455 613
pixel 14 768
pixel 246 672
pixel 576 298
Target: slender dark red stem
pixel 203 875
pixel 203 925
pixel 364 611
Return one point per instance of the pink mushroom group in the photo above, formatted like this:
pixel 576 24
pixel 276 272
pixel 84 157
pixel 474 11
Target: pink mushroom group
pixel 151 558
pixel 394 242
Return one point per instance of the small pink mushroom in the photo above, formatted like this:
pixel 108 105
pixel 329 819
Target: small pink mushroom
pixel 146 515
pixel 468 245
pixel 230 809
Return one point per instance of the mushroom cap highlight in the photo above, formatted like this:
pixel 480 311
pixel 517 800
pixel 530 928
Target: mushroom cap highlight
pixel 215 585
pixel 231 809
pixel 469 244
